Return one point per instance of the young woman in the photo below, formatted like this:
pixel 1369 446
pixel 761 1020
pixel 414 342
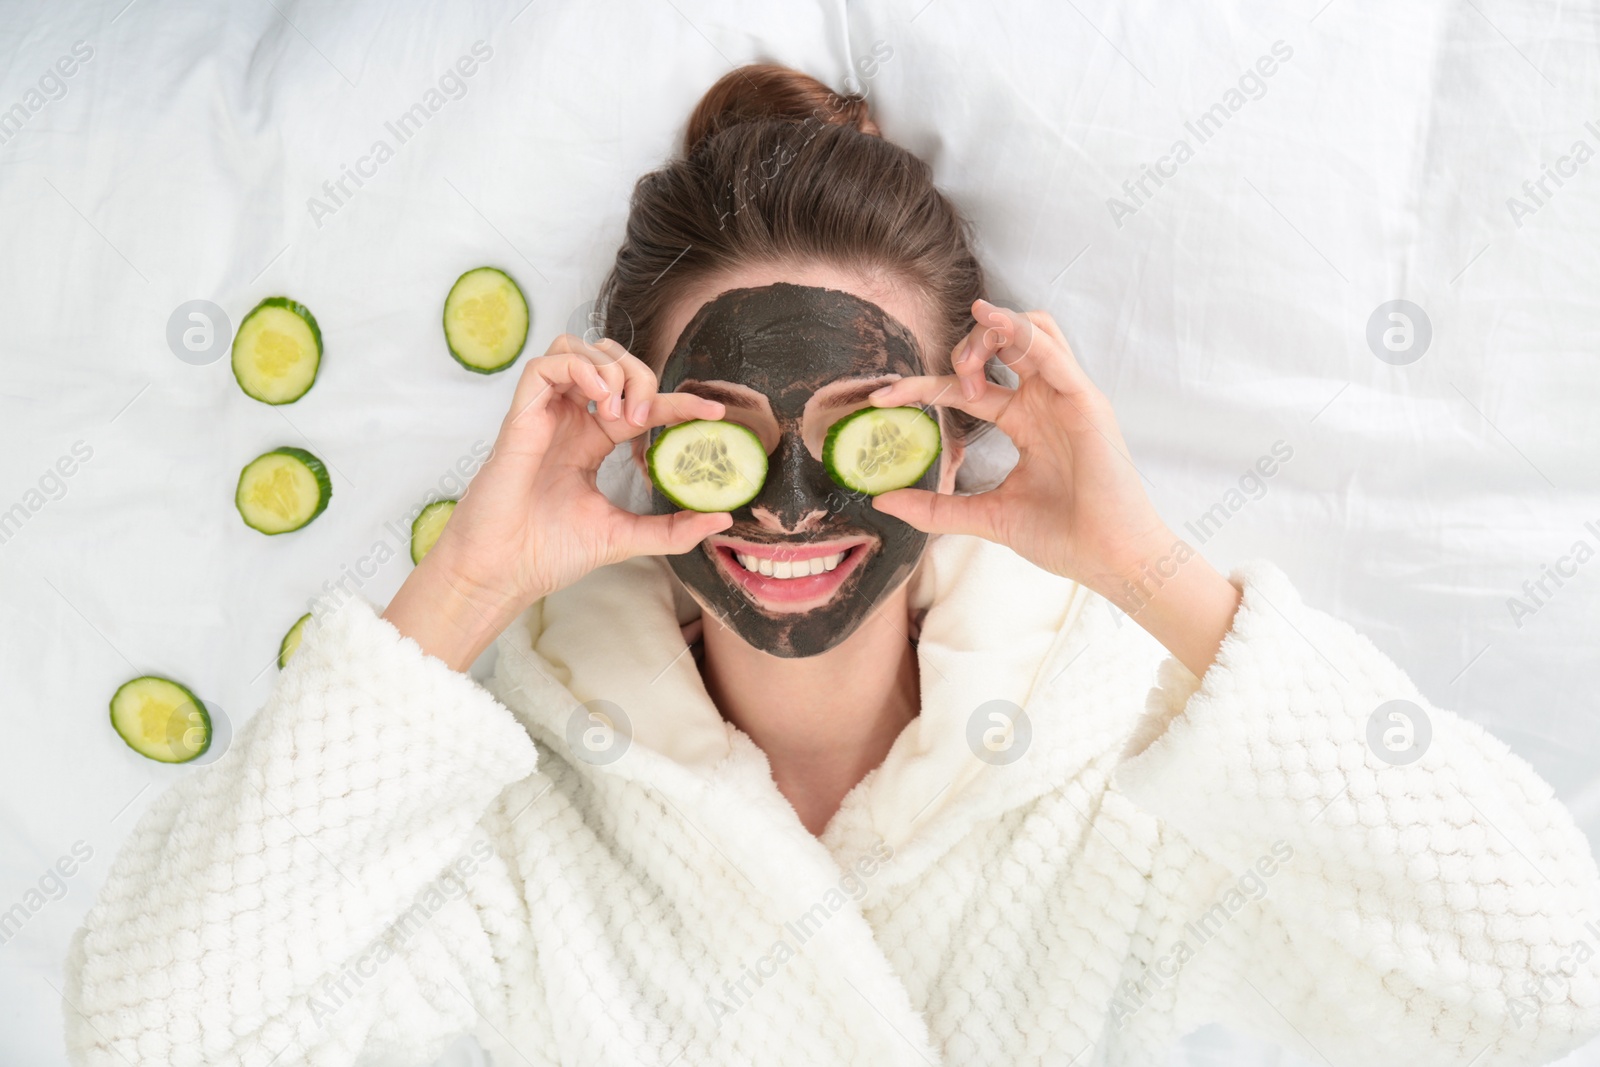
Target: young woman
pixel 834 779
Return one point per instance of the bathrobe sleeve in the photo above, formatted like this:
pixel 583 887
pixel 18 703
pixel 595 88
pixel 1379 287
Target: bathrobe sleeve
pixel 1402 890
pixel 313 896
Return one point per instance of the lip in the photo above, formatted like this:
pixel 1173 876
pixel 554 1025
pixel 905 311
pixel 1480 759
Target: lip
pixel 794 594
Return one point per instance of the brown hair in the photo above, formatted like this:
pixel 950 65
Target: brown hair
pixel 778 168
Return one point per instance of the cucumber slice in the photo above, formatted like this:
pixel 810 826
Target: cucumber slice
pixel 282 490
pixel 161 720
pixel 428 526
pixel 485 320
pixel 277 351
pixel 875 450
pixel 707 464
pixel 291 640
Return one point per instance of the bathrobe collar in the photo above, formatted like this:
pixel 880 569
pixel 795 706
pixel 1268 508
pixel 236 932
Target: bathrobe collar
pixel 995 628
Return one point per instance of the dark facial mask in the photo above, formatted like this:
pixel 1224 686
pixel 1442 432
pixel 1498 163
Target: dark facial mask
pixel 788 341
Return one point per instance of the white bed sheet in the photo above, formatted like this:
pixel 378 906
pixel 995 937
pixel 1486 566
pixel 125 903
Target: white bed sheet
pixel 1224 310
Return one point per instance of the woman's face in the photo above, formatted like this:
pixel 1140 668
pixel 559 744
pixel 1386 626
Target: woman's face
pixel 789 353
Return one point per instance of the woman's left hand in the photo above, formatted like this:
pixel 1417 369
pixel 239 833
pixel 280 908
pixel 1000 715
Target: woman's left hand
pixel 1074 503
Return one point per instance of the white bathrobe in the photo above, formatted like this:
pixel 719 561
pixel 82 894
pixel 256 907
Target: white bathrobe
pixel 390 856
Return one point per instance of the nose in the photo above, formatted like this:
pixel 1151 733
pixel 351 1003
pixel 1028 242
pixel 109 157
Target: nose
pixel 792 499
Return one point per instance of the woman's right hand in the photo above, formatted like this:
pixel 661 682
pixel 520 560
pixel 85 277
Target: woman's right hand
pixel 533 519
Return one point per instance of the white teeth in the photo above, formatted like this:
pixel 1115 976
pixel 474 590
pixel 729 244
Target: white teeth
pixel 786 568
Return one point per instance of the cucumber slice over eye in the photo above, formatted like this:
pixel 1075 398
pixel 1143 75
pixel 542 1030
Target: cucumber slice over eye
pixel 485 320
pixel 707 464
pixel 428 526
pixel 291 640
pixel 161 720
pixel 282 490
pixel 875 450
pixel 277 351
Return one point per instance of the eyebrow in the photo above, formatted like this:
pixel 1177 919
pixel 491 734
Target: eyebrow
pixel 711 391
pixel 859 391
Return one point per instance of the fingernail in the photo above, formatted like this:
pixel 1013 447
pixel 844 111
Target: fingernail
pixel 969 388
pixel 882 390
pixel 636 416
pixel 615 405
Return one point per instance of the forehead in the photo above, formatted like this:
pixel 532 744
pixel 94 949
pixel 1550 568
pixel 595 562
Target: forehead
pixel 788 341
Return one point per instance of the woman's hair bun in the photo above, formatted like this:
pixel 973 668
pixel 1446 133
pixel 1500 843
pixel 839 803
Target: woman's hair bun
pixel 765 91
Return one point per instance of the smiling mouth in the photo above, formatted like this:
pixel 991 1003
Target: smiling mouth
pixel 791 575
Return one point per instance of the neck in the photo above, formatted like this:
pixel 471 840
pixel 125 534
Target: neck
pixel 823 721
